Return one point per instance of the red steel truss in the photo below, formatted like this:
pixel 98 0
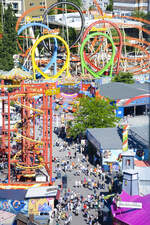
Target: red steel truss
pixel 35 153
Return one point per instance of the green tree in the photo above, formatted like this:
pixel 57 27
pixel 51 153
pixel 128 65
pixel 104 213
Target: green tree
pixel 72 34
pixel 76 2
pixel 8 45
pixel 139 14
pixel 147 26
pixel 92 113
pixel 110 6
pixel 124 77
pixel 147 16
pixel 114 33
pixel 1 30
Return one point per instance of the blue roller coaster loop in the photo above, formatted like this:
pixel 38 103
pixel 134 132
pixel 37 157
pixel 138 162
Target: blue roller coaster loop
pixel 54 56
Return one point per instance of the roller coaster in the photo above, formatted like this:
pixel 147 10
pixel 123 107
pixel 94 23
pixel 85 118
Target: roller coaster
pixel 25 164
pixel 131 53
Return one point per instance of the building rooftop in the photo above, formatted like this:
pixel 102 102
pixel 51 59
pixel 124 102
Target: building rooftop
pixel 37 192
pixel 139 163
pixel 12 194
pixel 105 138
pixel 111 138
pixel 133 216
pixel 117 90
pixel 144 132
pixel 130 171
pixel 128 153
pixel 144 177
pixel 144 173
pixel 6 218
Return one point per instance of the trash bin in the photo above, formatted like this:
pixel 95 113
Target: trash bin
pixel 64 181
pixel 58 175
pixel 105 214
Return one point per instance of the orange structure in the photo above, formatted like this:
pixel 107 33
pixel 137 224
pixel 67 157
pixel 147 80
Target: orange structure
pixel 32 152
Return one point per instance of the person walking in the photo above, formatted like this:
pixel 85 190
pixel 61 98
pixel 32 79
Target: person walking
pixel 75 154
pixel 110 187
pixel 57 223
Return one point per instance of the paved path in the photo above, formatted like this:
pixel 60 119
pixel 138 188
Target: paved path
pixel 71 177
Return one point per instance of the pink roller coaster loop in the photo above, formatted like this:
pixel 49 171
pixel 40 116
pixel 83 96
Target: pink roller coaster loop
pixel 118 54
pixel 69 95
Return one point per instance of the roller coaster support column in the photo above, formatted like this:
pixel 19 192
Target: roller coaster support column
pixel 46 159
pixel 51 144
pixel 34 106
pixel 44 107
pixel 23 117
pixel 9 138
pixel 3 116
pixel 28 131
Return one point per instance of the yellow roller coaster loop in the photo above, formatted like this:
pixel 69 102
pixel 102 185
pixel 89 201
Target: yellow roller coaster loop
pixel 40 158
pixel 22 136
pixel 65 66
pixel 26 167
pixel 33 109
pixel 29 139
pixel 18 153
pixel 10 86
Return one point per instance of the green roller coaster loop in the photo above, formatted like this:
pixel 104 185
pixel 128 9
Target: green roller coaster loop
pixel 110 63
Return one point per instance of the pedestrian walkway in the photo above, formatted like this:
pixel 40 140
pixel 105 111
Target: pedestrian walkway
pixel 85 185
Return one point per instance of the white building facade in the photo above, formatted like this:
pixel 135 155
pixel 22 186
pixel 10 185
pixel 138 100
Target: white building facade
pixel 129 6
pixel 102 3
pixel 17 6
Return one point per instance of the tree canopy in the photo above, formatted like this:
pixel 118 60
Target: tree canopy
pixel 146 16
pixel 141 14
pixel 124 77
pixel 92 113
pixel 110 6
pixel 1 18
pixel 138 14
pixel 8 44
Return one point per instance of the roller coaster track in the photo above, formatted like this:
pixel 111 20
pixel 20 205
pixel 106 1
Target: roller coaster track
pixel 19 164
pixel 117 55
pixel 122 25
pixel 136 59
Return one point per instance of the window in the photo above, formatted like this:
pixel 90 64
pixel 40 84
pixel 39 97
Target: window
pixel 128 162
pixel 15 5
pixel 31 3
pixel 42 3
pixel 15 11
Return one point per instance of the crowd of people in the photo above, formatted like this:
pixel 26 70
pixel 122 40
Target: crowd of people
pixel 74 203
pixel 85 194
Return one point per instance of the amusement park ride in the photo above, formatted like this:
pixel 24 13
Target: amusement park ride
pixel 47 57
pixel 35 152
